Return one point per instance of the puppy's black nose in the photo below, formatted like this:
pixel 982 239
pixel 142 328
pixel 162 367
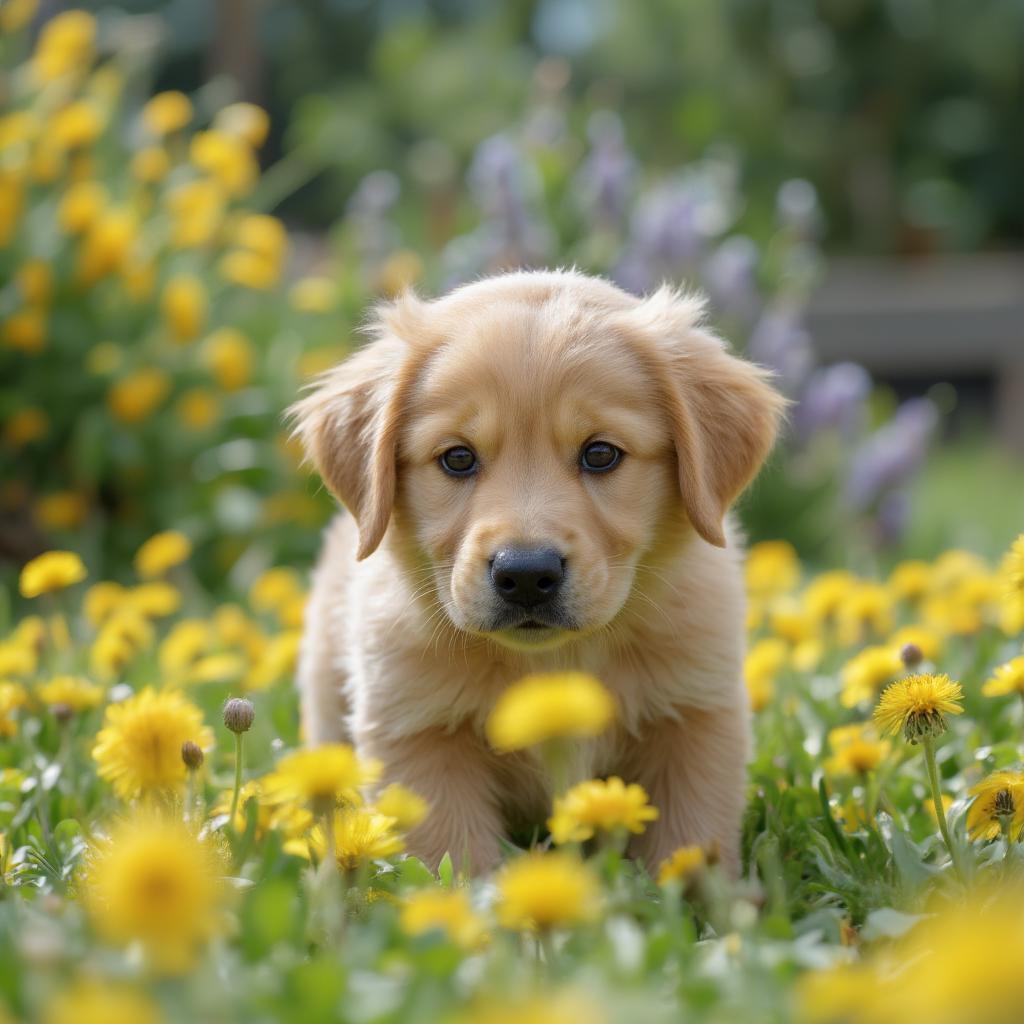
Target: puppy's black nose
pixel 527 576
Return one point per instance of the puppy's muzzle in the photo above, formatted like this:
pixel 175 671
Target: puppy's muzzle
pixel 527 577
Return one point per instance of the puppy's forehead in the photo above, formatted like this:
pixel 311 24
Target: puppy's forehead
pixel 528 354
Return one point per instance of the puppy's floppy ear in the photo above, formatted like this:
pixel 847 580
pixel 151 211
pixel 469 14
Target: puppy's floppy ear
pixel 724 412
pixel 349 422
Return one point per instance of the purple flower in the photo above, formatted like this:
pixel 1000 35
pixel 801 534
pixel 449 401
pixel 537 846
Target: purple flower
pixel 780 342
pixel 506 188
pixel 892 454
pixel 730 277
pixel 834 399
pixel 604 182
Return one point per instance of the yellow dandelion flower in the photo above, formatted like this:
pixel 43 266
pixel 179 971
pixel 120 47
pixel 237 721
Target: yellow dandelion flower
pixel 826 593
pixel 275 660
pixel 406 807
pixel 49 572
pixel 12 203
pixel 245 121
pixel 78 124
pixel 111 653
pixel 31 632
pixel 682 865
pixel 249 270
pixel 1006 679
pixel 138 395
pixel 216 668
pixel 198 409
pixel 61 510
pixel 65 46
pixel 72 691
pixel 910 581
pixel 25 331
pixel 867 672
pixel 292 614
pixel 138 749
pixel 608 806
pixel 1012 568
pixel 361 835
pixel 917 706
pixel 184 305
pixel 765 660
pixel 227 354
pixel 26 426
pixel 999 796
pixel 314 295
pixel 162 552
pixel 274 589
pixel 538 892
pixel 150 165
pixel 16 659
pixel 154 881
pixel 107 246
pixel 13 696
pixel 16 14
pixel 772 568
pixel 847 993
pixel 226 158
pixel 263 234
pixel 865 611
pixel 35 282
pixel 549 706
pixel 857 750
pixel 90 1001
pixel 760 692
pixel 155 600
pixel 167 112
pixel 325 775
pixel 447 911
pixel 81 206
pixel 792 622
pixel 196 209
pixel 187 641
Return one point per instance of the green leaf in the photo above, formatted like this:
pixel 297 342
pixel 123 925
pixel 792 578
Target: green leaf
pixel 886 923
pixel 412 872
pixel 446 871
pixel 911 867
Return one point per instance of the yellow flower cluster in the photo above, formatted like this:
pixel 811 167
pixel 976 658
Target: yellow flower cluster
pixel 135 220
pixel 886 630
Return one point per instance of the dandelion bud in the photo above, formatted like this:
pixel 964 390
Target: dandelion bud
pixel 62 712
pixel 192 755
pixel 238 714
pixel 911 655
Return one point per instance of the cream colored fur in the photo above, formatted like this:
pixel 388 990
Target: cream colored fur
pixel 526 368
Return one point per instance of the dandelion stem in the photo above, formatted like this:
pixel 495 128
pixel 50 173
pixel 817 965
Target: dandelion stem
pixel 928 742
pixel 238 778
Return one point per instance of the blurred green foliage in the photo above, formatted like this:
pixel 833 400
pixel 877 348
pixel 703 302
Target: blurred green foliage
pixel 904 114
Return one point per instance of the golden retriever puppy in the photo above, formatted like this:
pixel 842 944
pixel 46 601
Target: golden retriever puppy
pixel 538 469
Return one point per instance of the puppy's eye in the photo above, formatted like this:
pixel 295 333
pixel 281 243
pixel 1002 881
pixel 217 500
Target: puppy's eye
pixel 600 456
pixel 459 461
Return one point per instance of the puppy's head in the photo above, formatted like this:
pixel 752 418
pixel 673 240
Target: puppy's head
pixel 531 438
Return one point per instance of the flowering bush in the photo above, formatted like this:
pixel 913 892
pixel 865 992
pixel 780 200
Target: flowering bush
pixel 169 856
pixel 142 310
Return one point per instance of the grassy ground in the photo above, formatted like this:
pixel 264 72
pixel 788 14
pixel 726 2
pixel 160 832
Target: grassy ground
pixel 127 890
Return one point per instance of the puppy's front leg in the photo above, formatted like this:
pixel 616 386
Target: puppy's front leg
pixel 694 771
pixel 452 771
